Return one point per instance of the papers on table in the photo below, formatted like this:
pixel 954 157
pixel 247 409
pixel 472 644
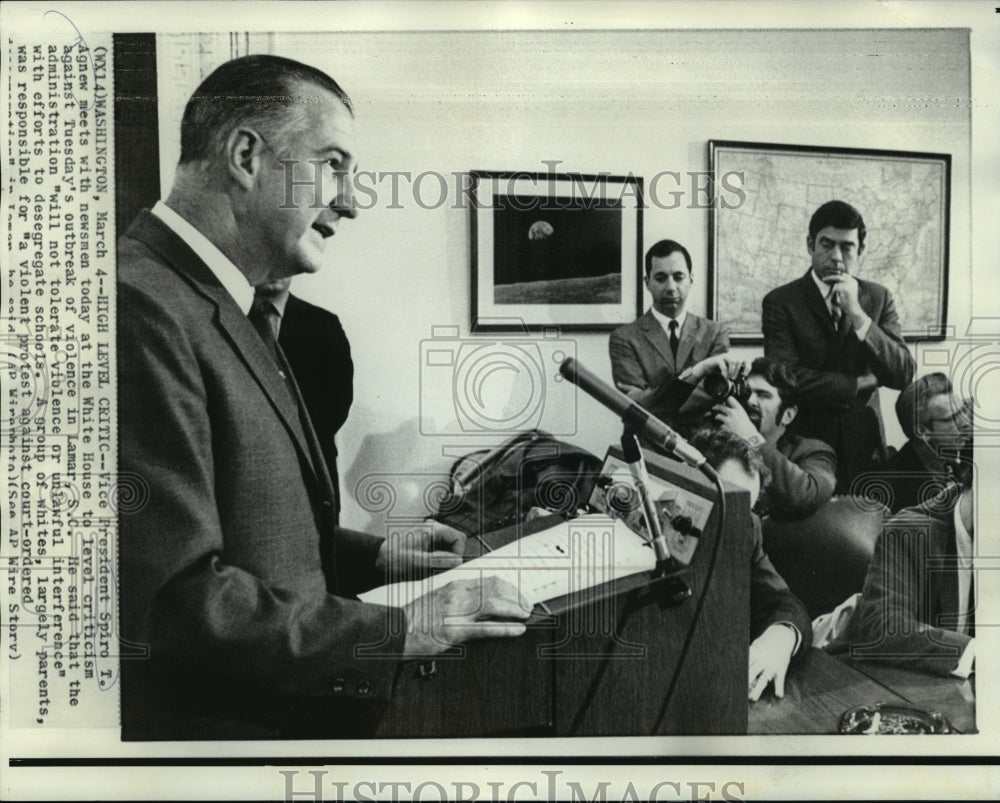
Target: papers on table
pixel 570 557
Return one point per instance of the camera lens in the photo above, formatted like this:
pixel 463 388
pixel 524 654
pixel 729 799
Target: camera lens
pixel 717 386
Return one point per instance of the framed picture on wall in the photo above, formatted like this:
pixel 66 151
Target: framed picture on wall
pixel 759 242
pixel 555 250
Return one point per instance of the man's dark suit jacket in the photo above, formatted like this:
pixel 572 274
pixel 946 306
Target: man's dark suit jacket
pixel 803 476
pixel 771 600
pixel 827 363
pixel 234 579
pixel 641 355
pixel 320 357
pixel 908 608
pixel 909 479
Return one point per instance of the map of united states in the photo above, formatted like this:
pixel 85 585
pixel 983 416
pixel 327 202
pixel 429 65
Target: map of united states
pixel 762 244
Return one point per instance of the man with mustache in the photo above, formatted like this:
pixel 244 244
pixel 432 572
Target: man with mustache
pixel 841 337
pixel 803 470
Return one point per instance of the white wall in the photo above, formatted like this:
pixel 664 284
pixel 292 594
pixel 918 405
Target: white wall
pixel 643 102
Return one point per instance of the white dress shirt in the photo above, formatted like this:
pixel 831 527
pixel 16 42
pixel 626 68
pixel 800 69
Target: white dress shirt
pixel 231 277
pixel 665 320
pixel 966 586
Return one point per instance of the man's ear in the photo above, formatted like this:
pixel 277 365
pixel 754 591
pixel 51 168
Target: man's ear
pixel 244 151
pixel 788 416
pixel 810 243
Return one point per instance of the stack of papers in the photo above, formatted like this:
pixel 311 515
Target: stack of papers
pixel 570 557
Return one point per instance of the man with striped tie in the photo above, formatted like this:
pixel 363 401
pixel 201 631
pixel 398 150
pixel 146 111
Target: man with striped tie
pixel 841 337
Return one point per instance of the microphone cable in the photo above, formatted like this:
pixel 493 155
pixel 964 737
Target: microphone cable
pixel 709 472
pixel 629 609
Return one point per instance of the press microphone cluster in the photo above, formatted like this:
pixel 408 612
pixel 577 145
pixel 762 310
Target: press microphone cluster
pixel 637 420
pixel 636 417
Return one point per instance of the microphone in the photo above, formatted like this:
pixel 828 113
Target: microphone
pixel 640 476
pixel 635 416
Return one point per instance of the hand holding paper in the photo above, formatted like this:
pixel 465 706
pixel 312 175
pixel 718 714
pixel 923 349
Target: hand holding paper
pixel 422 551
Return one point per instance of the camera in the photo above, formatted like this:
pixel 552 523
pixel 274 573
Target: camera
pixel 720 387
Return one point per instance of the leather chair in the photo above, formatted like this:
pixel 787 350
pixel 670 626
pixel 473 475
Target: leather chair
pixel 824 558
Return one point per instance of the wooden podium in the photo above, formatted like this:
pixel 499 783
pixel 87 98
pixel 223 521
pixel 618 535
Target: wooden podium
pixel 607 661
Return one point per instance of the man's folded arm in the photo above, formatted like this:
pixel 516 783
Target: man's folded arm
pixel 891 361
pixel 825 387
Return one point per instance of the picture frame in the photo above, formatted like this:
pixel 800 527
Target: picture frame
pixel 555 251
pixel 759 242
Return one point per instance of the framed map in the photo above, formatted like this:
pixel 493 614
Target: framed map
pixel 760 243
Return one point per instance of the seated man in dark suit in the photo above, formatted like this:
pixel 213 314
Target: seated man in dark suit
pixel 938 429
pixel 917 608
pixel 314 343
pixel 840 335
pixel 668 341
pixel 803 470
pixel 779 623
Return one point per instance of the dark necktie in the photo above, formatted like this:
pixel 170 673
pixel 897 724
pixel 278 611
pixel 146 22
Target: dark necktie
pixel 264 317
pixel 835 311
pixel 674 340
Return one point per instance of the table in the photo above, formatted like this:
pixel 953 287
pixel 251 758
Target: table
pixel 820 688
pixel 953 697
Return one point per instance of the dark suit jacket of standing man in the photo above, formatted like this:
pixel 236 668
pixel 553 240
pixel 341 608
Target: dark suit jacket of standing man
pixel 320 357
pixel 827 362
pixel 227 567
pixel 908 610
pixel 641 355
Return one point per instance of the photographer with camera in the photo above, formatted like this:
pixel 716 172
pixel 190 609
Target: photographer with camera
pixel 759 409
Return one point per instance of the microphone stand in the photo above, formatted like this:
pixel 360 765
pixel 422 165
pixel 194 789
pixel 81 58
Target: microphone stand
pixel 668 571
